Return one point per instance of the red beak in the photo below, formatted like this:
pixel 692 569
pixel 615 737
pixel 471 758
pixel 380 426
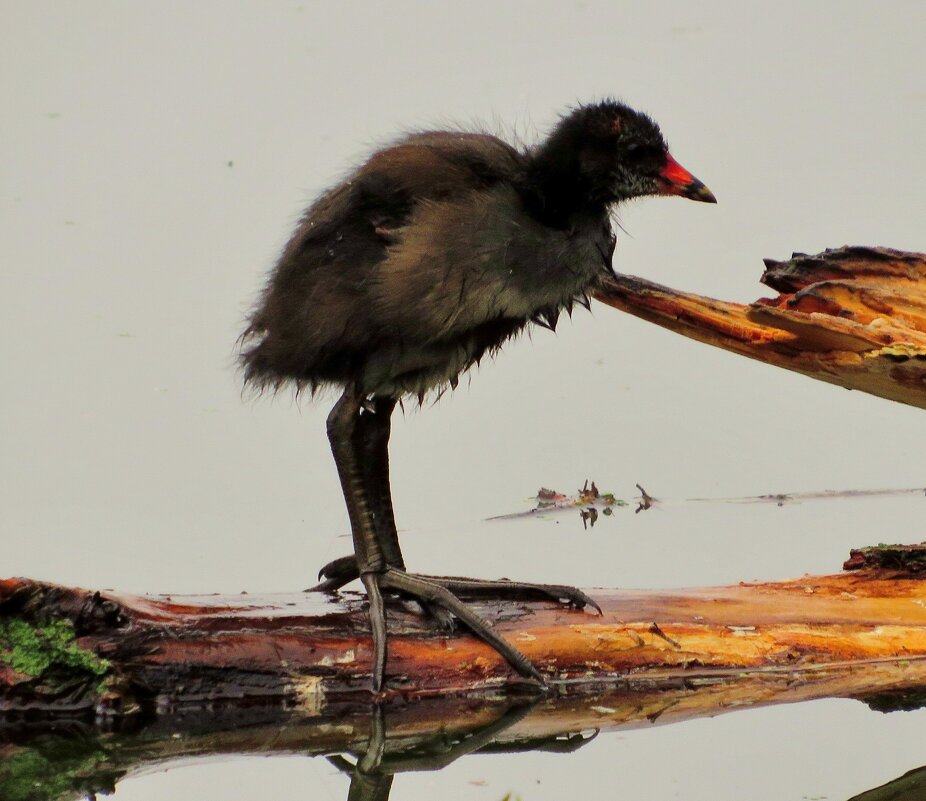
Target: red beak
pixel 678 181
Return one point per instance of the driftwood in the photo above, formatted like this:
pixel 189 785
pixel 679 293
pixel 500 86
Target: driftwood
pixel 105 655
pixel 193 676
pixel 852 316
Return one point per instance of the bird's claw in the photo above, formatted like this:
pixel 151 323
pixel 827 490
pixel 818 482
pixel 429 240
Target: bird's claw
pixel 438 596
pixel 430 594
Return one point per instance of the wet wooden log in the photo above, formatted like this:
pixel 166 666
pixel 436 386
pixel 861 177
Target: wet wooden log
pixel 852 316
pixel 74 652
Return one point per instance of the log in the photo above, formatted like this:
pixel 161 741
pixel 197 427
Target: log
pixel 105 655
pixel 851 316
pixel 98 686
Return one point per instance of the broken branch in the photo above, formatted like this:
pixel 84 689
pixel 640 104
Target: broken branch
pixel 852 316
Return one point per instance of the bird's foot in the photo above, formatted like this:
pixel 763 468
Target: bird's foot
pixel 344 570
pixel 438 595
pixel 339 572
pixel 430 593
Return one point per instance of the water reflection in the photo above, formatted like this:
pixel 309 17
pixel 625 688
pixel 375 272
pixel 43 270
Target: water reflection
pixel 372 772
pixel 72 760
pixel 372 745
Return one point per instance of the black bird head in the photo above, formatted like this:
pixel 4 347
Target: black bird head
pixel 607 152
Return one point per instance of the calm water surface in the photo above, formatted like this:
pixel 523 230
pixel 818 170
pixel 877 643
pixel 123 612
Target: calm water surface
pixel 157 158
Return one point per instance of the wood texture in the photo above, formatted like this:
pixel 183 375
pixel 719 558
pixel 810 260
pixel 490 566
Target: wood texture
pixel 857 633
pixel 851 316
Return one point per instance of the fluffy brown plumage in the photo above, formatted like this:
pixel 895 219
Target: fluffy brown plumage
pixel 431 254
pixel 441 247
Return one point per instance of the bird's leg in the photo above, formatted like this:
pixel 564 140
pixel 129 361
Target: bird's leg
pixel 345 433
pixel 371 442
pixel 370 562
pixel 343 425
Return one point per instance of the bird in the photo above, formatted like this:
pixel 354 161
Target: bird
pixel 424 260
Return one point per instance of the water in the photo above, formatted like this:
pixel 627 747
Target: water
pixel 157 159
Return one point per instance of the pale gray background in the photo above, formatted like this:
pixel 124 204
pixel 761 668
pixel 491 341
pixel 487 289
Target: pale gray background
pixel 131 250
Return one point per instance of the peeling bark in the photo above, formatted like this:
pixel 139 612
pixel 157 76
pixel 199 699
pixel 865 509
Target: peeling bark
pixel 851 316
pixel 865 630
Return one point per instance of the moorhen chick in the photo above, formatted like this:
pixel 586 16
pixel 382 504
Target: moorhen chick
pixel 423 260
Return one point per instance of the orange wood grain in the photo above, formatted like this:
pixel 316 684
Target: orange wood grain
pixel 852 316
pixel 308 650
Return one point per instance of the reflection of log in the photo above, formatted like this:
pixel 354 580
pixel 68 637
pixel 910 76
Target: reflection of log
pixel 856 633
pixel 853 316
pixel 73 761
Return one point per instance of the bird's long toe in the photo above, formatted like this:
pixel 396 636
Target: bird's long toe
pixel 373 583
pixel 430 592
pixel 514 590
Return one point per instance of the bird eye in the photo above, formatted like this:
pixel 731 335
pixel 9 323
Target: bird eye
pixel 635 152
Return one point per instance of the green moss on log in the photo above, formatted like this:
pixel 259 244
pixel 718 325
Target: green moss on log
pixel 47 651
pixel 55 769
